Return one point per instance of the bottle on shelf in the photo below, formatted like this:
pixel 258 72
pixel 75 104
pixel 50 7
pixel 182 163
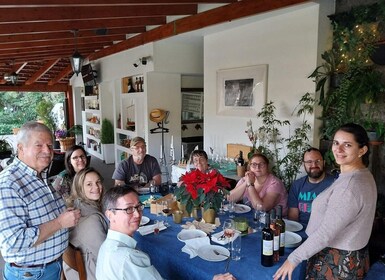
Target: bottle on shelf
pixel 240 160
pixel 276 232
pixel 280 223
pixel 267 258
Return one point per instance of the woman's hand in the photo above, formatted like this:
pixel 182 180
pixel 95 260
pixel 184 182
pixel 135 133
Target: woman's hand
pixel 249 178
pixel 285 270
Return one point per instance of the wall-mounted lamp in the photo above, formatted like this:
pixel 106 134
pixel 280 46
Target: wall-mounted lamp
pixel 142 60
pixel 11 77
pixel 76 59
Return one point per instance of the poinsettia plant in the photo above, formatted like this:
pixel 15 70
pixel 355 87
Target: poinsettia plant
pixel 202 189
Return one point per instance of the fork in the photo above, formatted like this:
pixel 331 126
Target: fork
pixel 228 259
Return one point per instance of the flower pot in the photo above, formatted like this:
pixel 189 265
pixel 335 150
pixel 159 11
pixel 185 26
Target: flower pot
pixel 66 143
pixel 182 207
pixel 209 215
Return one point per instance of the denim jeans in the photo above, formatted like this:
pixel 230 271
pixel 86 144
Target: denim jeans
pixel 47 272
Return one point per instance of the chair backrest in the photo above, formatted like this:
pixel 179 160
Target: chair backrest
pixel 74 259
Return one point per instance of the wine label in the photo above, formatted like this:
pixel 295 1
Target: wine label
pixel 276 243
pixel 267 247
pixel 282 239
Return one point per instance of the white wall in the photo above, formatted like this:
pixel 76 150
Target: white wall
pixel 287 41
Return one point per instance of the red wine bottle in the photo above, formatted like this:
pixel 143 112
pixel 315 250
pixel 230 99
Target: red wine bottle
pixel 267 243
pixel 240 160
pixel 280 223
pixel 276 232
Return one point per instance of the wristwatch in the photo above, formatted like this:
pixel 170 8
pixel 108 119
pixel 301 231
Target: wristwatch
pixel 250 185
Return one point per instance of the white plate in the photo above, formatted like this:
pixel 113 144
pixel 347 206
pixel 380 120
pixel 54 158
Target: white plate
pixel 292 239
pixel 206 252
pixel 187 234
pixel 241 208
pixel 216 237
pixel 292 225
pixel 144 221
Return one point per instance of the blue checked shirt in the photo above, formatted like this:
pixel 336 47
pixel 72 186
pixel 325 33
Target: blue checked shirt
pixel 27 201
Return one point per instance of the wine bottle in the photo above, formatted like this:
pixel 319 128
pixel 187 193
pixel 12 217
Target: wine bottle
pixel 276 233
pixel 267 243
pixel 282 228
pixel 240 161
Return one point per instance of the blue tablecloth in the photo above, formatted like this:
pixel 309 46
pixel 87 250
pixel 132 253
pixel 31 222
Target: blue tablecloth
pixel 165 252
pixel 376 272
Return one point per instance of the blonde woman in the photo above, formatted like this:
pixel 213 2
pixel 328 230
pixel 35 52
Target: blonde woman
pixel 91 231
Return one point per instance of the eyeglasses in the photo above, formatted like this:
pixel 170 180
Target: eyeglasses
pixel 143 147
pixel 260 165
pixel 130 209
pixel 310 162
pixel 78 158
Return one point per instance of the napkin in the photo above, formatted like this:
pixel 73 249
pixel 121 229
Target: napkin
pixel 192 245
pixel 206 227
pixel 144 230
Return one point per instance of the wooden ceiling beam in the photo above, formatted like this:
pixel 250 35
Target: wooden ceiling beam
pixel 103 2
pixel 52 13
pixel 65 50
pixel 64 73
pixel 63 42
pixel 36 87
pixel 14 38
pixel 38 27
pixel 219 15
pixel 44 69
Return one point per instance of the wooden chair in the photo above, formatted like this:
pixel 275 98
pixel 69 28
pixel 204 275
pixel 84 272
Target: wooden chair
pixel 74 259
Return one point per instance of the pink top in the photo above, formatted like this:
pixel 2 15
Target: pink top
pixel 272 185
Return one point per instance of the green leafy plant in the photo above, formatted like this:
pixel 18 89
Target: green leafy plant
pixel 107 132
pixel 77 129
pixel 285 154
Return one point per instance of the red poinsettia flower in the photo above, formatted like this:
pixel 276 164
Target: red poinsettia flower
pixel 202 189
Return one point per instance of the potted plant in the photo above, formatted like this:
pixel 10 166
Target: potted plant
pixel 107 140
pixel 205 190
pixel 77 132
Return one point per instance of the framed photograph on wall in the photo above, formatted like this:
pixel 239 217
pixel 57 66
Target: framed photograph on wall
pixel 241 91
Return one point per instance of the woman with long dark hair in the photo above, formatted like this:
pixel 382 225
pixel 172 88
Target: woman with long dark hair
pixel 342 216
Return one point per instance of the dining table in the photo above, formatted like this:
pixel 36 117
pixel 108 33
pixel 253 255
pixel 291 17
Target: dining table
pixel 165 251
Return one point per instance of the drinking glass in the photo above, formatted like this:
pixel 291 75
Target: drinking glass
pixel 228 231
pixel 221 210
pixel 236 246
pixel 231 207
pixel 259 217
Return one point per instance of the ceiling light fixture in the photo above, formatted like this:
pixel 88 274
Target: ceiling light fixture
pixel 76 59
pixel 11 77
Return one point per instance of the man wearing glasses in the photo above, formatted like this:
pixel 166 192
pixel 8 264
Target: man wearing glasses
pixel 305 190
pixel 139 169
pixel 118 257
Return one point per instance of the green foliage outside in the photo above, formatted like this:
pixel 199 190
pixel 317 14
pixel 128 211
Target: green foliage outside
pixel 16 108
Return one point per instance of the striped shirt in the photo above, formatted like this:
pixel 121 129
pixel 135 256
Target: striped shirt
pixel 27 201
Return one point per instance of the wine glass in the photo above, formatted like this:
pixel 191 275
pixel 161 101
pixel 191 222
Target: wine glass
pixel 166 211
pixel 231 208
pixel 228 231
pixel 221 210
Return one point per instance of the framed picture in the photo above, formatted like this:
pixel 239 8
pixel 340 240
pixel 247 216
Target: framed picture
pixel 241 91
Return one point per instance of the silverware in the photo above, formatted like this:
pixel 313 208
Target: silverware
pixel 220 254
pixel 221 237
pixel 228 259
